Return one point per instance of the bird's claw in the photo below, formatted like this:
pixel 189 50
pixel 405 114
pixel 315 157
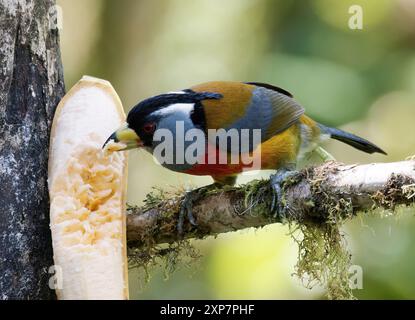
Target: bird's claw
pixel 186 211
pixel 278 207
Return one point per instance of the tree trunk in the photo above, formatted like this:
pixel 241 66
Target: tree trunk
pixel 31 85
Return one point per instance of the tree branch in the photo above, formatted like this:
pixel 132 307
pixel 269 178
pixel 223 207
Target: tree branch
pixel 315 195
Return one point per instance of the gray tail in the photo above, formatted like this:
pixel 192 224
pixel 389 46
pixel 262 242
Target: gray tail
pixel 351 139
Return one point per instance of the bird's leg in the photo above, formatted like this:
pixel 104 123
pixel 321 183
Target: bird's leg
pixel 186 210
pixel 277 182
pixel 324 155
pixel 186 207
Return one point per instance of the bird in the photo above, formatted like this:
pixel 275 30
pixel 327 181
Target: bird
pixel 285 134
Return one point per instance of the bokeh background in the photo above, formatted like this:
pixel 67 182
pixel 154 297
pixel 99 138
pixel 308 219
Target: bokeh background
pixel 360 80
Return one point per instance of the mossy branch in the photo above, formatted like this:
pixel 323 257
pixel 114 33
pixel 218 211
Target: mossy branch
pixel 316 195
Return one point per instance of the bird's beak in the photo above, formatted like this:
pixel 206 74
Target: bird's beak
pixel 126 136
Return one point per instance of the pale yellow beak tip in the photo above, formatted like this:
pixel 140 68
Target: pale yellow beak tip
pixel 126 136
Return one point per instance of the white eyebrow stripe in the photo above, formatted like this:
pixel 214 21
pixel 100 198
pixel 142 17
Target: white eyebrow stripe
pixel 176 92
pixel 177 107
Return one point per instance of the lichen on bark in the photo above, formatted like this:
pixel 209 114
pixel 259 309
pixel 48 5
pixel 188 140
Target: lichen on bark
pixel 31 85
pixel 319 200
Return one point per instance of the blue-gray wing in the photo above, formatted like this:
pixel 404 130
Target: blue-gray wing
pixel 270 112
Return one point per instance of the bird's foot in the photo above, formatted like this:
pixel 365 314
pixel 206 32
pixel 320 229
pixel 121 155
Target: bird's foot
pixel 186 208
pixel 278 180
pixel 186 211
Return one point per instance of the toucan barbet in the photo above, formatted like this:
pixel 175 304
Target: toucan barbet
pixel 286 133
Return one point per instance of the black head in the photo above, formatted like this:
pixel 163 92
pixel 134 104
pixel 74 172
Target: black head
pixel 144 117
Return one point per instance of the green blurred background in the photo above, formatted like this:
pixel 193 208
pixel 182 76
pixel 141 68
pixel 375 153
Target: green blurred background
pixel 361 80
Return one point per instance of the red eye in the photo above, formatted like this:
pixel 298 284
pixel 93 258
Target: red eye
pixel 149 127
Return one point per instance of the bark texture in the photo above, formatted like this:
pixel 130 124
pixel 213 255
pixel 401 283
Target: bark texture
pixel 31 85
pixel 323 194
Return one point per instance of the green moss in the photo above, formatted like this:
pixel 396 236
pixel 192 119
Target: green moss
pixel 154 198
pixel 323 256
pixel 398 189
pixel 169 257
pixel 150 255
pixel 323 259
pixel 257 196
